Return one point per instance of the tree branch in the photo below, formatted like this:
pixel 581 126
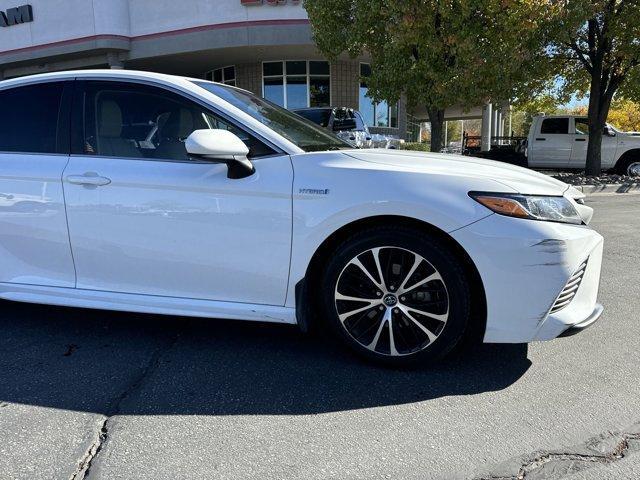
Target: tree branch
pixel 581 55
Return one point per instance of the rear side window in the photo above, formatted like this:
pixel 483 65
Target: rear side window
pixel 555 125
pixel 29 120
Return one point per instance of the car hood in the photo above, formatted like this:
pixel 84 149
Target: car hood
pixel 521 180
pixel 634 135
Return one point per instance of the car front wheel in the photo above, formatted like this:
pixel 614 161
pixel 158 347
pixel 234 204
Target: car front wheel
pixel 396 295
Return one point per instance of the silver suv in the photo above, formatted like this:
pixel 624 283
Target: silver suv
pixel 349 125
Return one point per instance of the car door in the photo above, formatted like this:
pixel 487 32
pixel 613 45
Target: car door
pixel 145 218
pixel 34 150
pixel 552 143
pixel 581 141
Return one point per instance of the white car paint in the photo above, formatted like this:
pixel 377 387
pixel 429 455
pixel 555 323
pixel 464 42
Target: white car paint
pixel 34 242
pixel 569 150
pixel 182 238
pixel 200 142
pixel 218 239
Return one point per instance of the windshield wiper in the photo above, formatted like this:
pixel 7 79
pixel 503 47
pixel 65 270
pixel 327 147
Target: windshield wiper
pixel 326 148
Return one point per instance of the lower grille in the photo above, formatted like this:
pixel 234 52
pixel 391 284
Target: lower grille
pixel 570 289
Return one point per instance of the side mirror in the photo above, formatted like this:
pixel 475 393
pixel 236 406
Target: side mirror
pixel 221 146
pixel 610 132
pixel 344 124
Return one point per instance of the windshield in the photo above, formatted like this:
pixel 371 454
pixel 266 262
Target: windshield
pixel 306 135
pixel 319 116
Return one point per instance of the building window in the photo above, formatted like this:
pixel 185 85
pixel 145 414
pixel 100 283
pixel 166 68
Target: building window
pixel 375 114
pixel 226 75
pixel 297 84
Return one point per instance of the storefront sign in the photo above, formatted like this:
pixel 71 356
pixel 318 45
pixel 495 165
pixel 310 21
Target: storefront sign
pixel 269 2
pixel 16 16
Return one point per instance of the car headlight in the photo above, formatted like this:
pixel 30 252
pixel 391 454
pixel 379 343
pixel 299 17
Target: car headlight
pixel 532 207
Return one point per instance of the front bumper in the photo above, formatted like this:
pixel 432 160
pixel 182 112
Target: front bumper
pixel 586 323
pixel 524 266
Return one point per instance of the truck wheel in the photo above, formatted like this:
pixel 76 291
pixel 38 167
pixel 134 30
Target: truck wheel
pixel 629 165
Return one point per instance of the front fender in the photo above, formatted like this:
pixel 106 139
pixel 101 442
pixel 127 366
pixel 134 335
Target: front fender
pixel 330 194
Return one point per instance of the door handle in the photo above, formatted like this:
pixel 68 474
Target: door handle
pixel 581 139
pixel 540 139
pixel 89 179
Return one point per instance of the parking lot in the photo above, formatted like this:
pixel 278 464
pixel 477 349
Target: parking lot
pixel 100 395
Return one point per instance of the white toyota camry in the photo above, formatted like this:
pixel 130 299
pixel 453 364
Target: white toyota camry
pixel 142 192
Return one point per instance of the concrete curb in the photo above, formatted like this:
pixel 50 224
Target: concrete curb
pixel 613 189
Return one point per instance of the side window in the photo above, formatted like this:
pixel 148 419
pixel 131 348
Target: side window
pixel 29 120
pixel 555 125
pixel 582 126
pixel 139 121
pixel 360 125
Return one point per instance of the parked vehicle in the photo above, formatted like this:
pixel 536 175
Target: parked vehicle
pixel 349 125
pixel 560 141
pixel 143 192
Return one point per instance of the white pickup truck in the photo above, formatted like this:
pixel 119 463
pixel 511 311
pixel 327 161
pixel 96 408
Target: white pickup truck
pixel 560 141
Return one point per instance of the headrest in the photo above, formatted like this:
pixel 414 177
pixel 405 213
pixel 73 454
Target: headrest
pixel 110 119
pixel 179 125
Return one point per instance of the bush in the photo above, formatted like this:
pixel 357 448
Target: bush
pixel 418 147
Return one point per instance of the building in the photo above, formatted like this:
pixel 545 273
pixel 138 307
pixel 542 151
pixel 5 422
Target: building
pixel 264 46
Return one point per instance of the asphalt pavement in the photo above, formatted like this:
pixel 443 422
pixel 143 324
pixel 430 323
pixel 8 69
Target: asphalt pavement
pixel 101 395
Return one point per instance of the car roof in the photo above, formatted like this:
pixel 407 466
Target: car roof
pixel 103 73
pixel 71 74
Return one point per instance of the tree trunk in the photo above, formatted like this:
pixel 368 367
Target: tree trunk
pixel 596 128
pixel 594 150
pixel 436 118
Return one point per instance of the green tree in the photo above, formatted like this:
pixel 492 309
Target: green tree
pixel 524 109
pixel 440 54
pixel 597 45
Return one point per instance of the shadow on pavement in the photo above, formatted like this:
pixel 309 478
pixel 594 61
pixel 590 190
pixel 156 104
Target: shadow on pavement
pixel 130 364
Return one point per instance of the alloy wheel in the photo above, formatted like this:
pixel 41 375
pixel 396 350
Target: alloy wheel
pixel 392 301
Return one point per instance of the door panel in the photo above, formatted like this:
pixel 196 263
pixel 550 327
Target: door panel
pixel 34 146
pixel 34 243
pixel 146 218
pixel 551 143
pixel 182 229
pixel 581 141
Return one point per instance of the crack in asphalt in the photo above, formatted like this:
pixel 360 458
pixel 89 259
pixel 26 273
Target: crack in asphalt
pixel 85 462
pixel 83 468
pixel 570 461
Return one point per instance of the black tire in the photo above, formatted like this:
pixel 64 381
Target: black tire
pixel 398 243
pixel 625 162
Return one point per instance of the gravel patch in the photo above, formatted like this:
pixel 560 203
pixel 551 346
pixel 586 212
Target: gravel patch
pixel 579 178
